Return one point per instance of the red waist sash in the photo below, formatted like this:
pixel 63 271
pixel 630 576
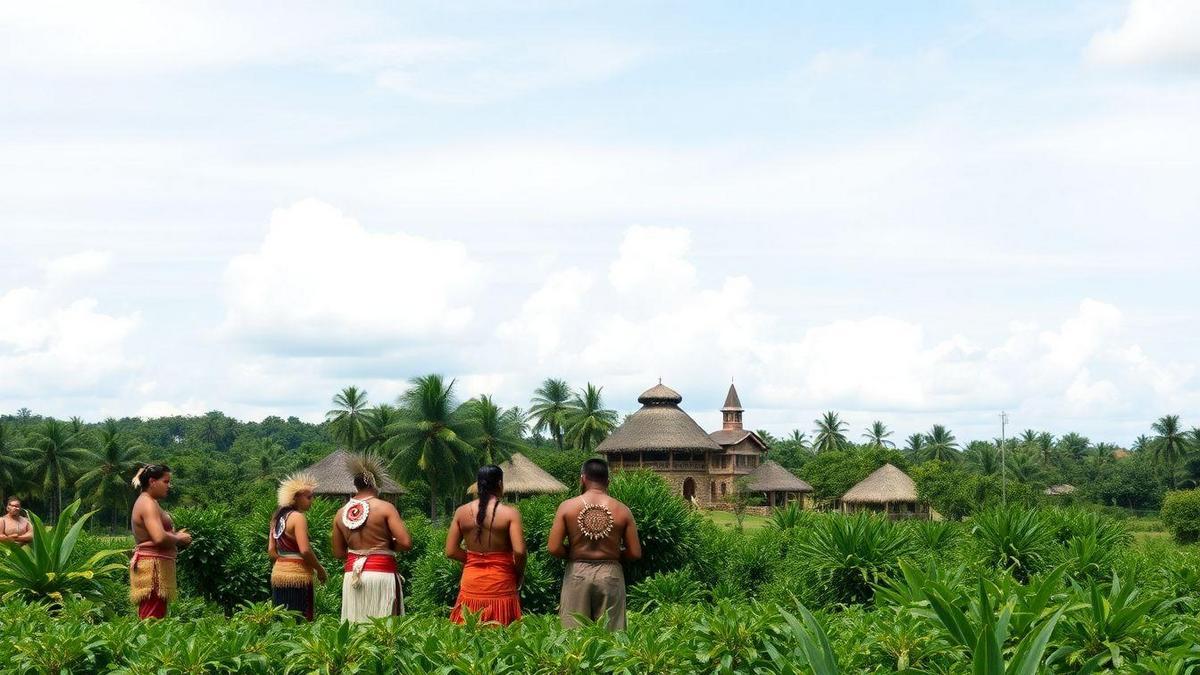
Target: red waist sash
pixel 376 562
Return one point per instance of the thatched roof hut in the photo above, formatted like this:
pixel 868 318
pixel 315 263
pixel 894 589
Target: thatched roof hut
pixel 1059 490
pixel 659 424
pixel 771 477
pixel 334 480
pixel 523 477
pixel 885 485
pixel 887 490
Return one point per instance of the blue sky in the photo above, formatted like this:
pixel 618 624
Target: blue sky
pixel 914 212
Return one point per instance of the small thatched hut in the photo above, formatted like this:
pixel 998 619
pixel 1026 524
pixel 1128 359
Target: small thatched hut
pixel 523 477
pixel 887 490
pixel 334 481
pixel 1060 490
pixel 778 484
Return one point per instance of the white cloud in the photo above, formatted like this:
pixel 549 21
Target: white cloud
pixel 457 71
pixel 544 313
pixel 1083 367
pixel 653 260
pixel 321 283
pixel 152 409
pixel 68 268
pixel 1154 32
pixel 52 343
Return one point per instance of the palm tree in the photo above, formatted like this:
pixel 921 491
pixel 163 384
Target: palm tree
pixel 550 405
pixel 379 419
pixel 113 461
pixel 53 453
pixel 1074 445
pixel 940 444
pixel 495 433
pixel 588 422
pixel 1169 445
pixel 877 435
pixel 429 439
pixel 830 434
pixel 1044 447
pixel 10 464
pixel 983 456
pixel 915 445
pixel 766 436
pixel 1022 467
pixel 349 418
pixel 1028 438
pixel 272 459
pixel 799 438
pixel 1142 443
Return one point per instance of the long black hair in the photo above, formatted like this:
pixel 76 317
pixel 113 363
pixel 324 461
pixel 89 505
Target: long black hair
pixel 487 482
pixel 141 481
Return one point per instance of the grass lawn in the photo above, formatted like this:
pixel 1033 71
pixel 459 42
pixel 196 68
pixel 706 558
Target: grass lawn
pixel 726 519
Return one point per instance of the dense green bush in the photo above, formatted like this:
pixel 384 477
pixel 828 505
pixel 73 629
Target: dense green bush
pixel 852 553
pixel 50 568
pixel 667 527
pixel 1181 515
pixel 1015 539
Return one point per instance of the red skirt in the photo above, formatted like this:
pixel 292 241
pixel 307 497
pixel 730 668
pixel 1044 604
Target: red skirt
pixel 489 589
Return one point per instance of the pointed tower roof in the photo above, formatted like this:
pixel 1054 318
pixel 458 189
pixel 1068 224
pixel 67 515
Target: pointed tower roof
pixel 732 402
pixel 660 425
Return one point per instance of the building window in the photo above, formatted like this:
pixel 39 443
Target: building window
pixel 722 489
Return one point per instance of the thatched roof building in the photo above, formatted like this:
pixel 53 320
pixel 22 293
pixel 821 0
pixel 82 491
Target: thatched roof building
pixel 885 484
pixel 778 484
pixel 887 490
pixel 659 424
pixel 334 480
pixel 1059 490
pixel 523 477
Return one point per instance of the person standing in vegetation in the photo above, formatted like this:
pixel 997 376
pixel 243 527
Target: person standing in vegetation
pixel 594 532
pixel 15 527
pixel 288 546
pixel 367 533
pixel 152 569
pixel 494 556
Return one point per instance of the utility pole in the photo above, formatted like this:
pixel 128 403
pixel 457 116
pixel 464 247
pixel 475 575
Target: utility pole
pixel 1003 465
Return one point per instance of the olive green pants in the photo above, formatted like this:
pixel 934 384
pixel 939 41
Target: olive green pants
pixel 593 589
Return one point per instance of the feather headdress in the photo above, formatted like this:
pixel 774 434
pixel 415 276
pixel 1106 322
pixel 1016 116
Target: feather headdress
pixel 366 467
pixel 293 485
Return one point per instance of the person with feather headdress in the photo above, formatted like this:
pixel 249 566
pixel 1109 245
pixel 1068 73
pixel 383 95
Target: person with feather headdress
pixel 368 532
pixel 288 545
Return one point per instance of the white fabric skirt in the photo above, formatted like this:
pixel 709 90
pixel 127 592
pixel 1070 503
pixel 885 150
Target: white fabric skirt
pixel 378 594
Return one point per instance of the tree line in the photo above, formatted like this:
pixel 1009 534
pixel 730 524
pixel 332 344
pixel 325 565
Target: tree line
pixel 434 442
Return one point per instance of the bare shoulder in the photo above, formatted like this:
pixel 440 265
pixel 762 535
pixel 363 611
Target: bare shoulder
pixel 509 510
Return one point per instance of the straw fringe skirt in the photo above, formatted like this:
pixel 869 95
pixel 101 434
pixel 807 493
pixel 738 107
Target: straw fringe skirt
pixel 152 578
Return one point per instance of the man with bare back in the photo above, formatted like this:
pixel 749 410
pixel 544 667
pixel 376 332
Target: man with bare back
pixel 599 533
pixel 367 533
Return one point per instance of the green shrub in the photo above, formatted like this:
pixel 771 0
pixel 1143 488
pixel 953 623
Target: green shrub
pixel 1015 539
pixel 1181 515
pixel 667 527
pixel 851 553
pixel 667 588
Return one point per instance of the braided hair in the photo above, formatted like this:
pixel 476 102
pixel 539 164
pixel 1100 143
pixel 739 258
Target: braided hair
pixel 487 481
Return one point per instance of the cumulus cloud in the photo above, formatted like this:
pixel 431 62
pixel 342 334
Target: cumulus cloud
pixel 1154 32
pixel 52 342
pixel 321 283
pixel 1083 366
